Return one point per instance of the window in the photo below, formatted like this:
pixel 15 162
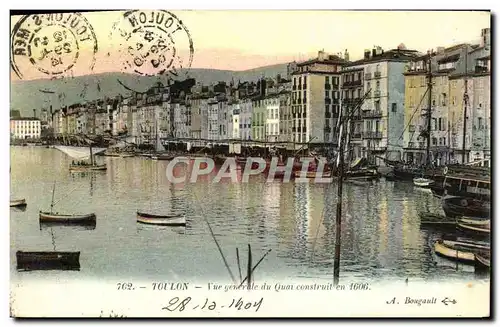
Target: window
pixel 434 141
pixel 305 79
pixel 378 85
pixel 439 124
pixel 327 79
pixel 377 105
pixel 327 94
pixel 393 107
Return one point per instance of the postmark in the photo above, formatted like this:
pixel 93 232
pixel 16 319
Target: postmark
pixel 54 45
pixel 153 43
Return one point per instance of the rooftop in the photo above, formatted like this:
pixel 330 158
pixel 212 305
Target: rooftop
pixel 25 118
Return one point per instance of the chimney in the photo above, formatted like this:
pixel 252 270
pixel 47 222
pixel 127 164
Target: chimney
pixel 34 113
pixel 51 110
pixel 278 78
pixel 374 52
pixel 321 55
pixel 367 54
pixel 485 37
pixel 440 50
pixel 346 55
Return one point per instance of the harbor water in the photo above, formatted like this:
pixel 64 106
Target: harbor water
pixel 381 234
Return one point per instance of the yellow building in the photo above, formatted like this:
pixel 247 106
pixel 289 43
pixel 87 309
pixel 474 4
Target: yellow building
pixel 315 95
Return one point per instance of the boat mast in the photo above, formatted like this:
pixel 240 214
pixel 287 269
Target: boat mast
pixel 429 110
pixel 91 155
pixel 466 100
pixel 52 202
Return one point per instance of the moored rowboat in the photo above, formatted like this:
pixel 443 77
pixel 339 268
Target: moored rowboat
pixel 85 168
pixel 18 203
pixel 312 174
pixel 56 217
pixel 422 182
pixel 48 260
pixel 461 251
pixel 164 220
pixel 483 259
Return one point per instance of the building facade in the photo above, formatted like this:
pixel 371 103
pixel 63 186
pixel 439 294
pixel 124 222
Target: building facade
pixel 25 128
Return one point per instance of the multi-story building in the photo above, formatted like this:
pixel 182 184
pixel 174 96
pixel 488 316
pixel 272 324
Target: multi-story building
pixel 373 91
pixel 245 128
pixel 213 119
pixel 223 117
pixel 25 128
pixel 315 83
pixel 451 69
pixel 258 119
pixel 272 122
pixel 285 117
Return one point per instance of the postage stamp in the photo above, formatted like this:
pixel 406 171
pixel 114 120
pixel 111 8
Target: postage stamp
pixel 52 45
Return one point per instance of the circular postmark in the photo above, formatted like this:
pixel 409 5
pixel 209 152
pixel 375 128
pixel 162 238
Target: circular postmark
pixel 57 45
pixel 153 43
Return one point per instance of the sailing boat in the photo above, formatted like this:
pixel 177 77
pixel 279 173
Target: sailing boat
pixel 48 260
pixel 160 148
pixel 83 166
pixel 401 171
pixel 51 216
pixel 164 220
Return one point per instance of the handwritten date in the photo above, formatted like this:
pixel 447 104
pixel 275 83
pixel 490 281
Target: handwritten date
pixel 176 304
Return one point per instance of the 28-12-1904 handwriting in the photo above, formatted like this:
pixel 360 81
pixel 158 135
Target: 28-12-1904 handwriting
pixel 188 303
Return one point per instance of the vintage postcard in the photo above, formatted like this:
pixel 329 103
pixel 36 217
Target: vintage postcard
pixel 263 163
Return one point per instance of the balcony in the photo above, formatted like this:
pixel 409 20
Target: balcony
pixel 328 86
pixel 377 74
pixel 372 114
pixel 372 135
pixel 328 115
pixel 328 129
pixel 328 100
pixel 368 76
pixel 480 69
pixel 356 135
pixel 376 93
pixel 352 83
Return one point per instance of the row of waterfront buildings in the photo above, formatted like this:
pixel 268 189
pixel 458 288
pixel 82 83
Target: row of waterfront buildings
pixel 387 93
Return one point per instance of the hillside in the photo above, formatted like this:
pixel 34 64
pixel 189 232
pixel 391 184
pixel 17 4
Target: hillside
pixel 37 94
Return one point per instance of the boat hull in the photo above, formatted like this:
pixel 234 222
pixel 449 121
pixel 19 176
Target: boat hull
pixel 165 220
pixel 48 260
pixel 18 203
pixel 86 168
pixel 60 218
pixel 312 174
pixel 482 260
pixel 459 251
pixel 455 206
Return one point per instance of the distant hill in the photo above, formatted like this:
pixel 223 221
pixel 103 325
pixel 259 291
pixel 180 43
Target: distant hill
pixel 38 94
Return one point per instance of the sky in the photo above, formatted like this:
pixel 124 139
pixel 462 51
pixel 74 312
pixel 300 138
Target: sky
pixel 240 40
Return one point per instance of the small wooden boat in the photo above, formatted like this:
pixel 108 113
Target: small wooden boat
pixel 162 157
pixel 51 216
pixel 430 219
pixel 312 174
pixel 422 182
pixel 457 206
pixel 460 251
pixel 164 220
pixel 126 155
pixel 483 259
pixel 63 218
pixel 86 168
pixel 480 229
pixel 18 203
pixel 50 260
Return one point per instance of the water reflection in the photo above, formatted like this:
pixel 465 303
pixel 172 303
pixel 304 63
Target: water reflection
pixel 381 234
